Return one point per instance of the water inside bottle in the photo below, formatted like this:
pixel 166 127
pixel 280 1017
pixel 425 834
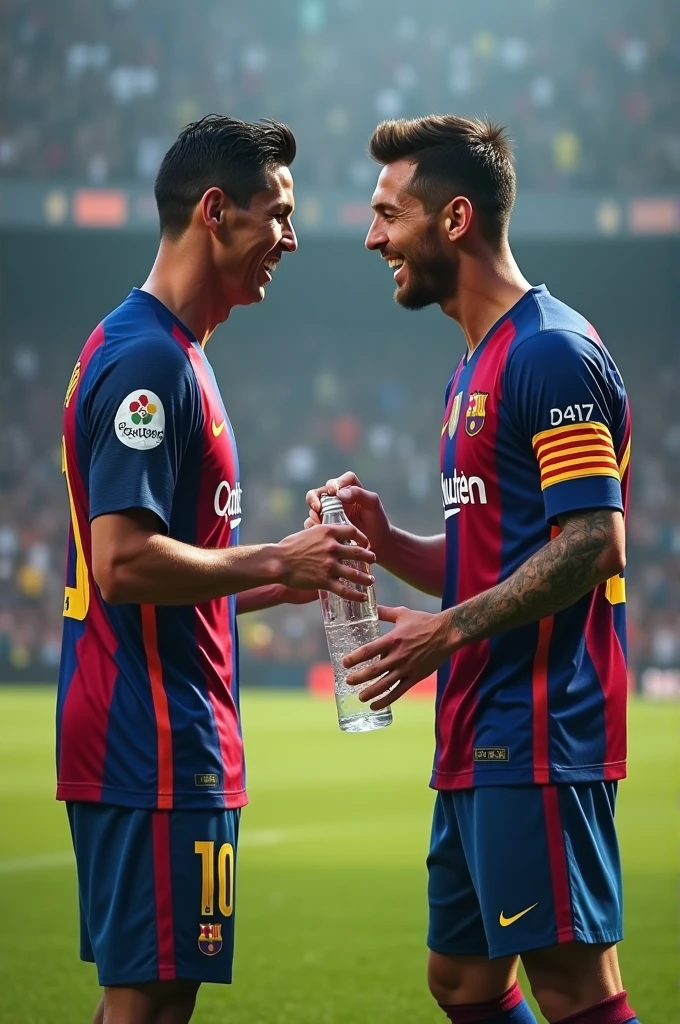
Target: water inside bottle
pixel 343 637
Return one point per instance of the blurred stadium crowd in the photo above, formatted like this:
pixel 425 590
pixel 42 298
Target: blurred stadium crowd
pixel 592 90
pixel 95 92
pixel 285 448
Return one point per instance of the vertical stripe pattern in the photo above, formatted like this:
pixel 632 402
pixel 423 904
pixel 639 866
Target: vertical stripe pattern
pixel 473 527
pixel 559 870
pixel 86 697
pixel 162 866
pixel 215 632
pixel 147 706
pixel 539 685
pixel 536 427
pixel 448 598
pixel 160 706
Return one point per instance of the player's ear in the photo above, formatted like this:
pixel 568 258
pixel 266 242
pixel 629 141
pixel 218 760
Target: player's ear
pixel 214 207
pixel 457 218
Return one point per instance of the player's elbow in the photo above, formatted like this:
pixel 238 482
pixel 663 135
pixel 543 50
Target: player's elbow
pixel 600 537
pixel 614 554
pixel 613 560
pixel 113 577
pixel 111 582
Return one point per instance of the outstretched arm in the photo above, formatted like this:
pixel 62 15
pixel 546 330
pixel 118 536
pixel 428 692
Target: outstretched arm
pixel 134 562
pixel 418 561
pixel 259 598
pixel 589 550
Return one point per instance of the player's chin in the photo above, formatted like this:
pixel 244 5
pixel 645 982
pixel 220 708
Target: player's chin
pixel 402 293
pixel 252 296
pixel 262 280
pixel 403 298
pixel 413 298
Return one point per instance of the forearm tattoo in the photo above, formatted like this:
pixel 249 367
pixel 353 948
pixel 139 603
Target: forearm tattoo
pixel 555 577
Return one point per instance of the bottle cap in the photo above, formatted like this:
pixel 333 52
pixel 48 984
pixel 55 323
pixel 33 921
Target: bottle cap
pixel 331 503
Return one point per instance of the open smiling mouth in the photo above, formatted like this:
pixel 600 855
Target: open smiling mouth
pixel 269 267
pixel 395 265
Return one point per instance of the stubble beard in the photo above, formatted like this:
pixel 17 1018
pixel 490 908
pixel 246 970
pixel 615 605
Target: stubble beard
pixel 432 280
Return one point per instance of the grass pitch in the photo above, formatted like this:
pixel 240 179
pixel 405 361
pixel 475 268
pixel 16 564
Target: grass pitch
pixel 331 892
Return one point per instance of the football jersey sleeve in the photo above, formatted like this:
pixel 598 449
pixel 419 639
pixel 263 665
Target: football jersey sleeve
pixel 567 405
pixel 140 415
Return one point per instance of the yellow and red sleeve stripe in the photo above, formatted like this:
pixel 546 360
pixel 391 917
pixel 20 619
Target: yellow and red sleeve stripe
pixel 574 451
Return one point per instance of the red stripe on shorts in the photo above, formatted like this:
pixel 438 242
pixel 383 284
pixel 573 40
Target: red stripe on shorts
pixel 558 864
pixel 165 928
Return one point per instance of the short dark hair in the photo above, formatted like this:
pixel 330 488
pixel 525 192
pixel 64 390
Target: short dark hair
pixel 454 155
pixel 218 151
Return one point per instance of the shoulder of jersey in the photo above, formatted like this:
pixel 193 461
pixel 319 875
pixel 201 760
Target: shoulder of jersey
pixel 557 317
pixel 557 327
pixel 132 331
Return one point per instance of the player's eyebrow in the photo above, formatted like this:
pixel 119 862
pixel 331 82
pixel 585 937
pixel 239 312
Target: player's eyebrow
pixel 285 209
pixel 384 208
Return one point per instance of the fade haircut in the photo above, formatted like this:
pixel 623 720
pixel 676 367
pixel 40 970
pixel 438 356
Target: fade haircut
pixel 454 156
pixel 220 152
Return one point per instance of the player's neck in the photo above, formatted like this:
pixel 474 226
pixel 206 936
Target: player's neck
pixel 488 286
pixel 179 281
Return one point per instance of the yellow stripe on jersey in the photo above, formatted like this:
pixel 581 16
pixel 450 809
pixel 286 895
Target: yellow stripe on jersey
pixel 625 460
pixel 578 473
pixel 556 434
pixel 603 459
pixel 573 437
pixel 553 457
pixel 575 451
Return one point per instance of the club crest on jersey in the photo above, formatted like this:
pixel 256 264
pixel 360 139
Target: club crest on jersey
pixel 475 412
pixel 455 414
pixel 140 420
pixel 210 939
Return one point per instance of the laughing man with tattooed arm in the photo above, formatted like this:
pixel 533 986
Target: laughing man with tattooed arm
pixel 530 643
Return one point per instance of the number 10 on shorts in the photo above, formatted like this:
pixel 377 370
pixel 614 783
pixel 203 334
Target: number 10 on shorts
pixel 225 877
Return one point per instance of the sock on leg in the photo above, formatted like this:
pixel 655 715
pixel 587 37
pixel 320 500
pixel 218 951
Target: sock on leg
pixel 613 1010
pixel 510 1008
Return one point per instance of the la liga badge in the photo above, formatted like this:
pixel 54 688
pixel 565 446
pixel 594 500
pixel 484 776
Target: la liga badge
pixel 140 420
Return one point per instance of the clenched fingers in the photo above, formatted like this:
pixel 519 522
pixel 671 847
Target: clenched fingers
pixel 332 486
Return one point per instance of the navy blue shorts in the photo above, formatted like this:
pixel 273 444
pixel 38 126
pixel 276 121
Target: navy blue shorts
pixel 514 868
pixel 156 892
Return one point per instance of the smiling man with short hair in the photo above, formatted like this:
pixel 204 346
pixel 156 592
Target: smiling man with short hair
pixel 149 748
pixel 530 642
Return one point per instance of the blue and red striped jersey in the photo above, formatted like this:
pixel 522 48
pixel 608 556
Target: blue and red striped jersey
pixel 148 700
pixel 536 426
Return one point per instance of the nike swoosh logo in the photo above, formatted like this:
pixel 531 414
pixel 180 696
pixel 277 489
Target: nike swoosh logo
pixel 505 921
pixel 448 512
pixel 217 428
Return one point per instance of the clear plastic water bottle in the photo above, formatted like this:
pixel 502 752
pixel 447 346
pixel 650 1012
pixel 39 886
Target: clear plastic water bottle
pixel 349 624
